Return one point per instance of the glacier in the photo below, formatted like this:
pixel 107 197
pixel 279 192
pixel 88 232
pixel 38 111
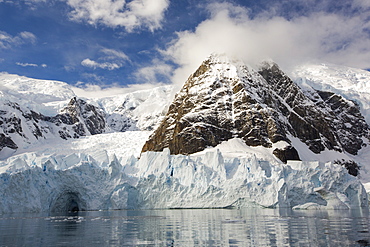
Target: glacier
pixel 229 175
pixel 107 171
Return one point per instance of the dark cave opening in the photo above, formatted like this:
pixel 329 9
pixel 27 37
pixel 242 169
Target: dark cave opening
pixel 72 206
pixel 68 201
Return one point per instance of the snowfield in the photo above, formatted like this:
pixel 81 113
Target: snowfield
pixel 44 96
pixel 107 171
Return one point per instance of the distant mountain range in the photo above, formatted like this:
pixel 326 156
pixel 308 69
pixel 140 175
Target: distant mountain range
pixel 223 99
pixel 35 111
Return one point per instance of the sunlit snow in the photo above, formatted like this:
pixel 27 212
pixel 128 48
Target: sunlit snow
pixel 108 171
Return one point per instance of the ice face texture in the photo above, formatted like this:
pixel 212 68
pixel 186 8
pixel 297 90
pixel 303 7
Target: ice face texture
pixel 210 179
pixel 232 137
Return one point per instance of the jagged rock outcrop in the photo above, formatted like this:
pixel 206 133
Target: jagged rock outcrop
pixel 85 118
pixel 322 120
pixel 218 102
pixel 224 99
pixel 20 125
pixel 6 141
pixel 352 167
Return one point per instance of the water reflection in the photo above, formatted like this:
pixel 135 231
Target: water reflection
pixel 193 227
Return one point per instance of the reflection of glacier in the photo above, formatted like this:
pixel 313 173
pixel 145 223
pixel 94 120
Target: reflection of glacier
pixel 260 227
pixel 211 179
pixel 191 227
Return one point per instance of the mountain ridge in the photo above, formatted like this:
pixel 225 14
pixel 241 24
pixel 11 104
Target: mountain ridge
pixel 136 111
pixel 105 170
pixel 223 99
pixel 33 117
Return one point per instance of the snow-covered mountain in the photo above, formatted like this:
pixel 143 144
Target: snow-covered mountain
pixel 226 99
pixel 34 112
pixel 232 137
pixel 140 110
pixel 352 84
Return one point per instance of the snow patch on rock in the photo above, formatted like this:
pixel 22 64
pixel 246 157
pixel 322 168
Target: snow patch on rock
pixel 351 83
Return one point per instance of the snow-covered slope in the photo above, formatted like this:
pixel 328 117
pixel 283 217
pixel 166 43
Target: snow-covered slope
pixel 351 83
pixel 225 99
pixel 43 96
pixel 33 112
pixel 22 127
pixel 104 168
pixel 140 110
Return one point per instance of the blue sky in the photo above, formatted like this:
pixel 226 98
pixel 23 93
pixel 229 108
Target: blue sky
pixel 121 43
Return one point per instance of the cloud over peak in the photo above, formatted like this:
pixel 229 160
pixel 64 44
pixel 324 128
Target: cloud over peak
pixel 155 73
pixel 336 37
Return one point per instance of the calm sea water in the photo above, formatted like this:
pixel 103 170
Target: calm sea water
pixel 192 227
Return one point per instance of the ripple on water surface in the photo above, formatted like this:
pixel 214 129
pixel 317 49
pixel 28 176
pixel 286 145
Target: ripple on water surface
pixel 191 227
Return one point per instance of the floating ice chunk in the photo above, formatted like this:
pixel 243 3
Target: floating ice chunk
pixel 333 202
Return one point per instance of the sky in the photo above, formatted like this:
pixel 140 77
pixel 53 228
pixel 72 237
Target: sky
pixel 95 44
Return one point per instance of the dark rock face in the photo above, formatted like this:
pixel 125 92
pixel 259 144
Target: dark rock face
pixel 222 100
pixel 6 141
pixel 319 119
pixel 346 121
pixel 287 153
pixel 11 123
pixel 217 104
pixel 350 165
pixel 84 118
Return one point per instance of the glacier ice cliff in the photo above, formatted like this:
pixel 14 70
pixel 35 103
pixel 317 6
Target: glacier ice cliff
pixel 228 139
pixel 210 179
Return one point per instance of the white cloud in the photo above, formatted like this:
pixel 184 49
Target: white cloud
pixel 152 73
pixel 27 36
pixel 114 54
pixel 113 59
pixel 31 65
pixel 115 13
pixel 26 64
pixel 93 64
pixel 35 1
pixel 361 3
pixel 322 36
pixel 7 41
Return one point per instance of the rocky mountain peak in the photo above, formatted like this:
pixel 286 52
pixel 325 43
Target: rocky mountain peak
pixel 224 99
pixel 91 116
pixel 221 100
